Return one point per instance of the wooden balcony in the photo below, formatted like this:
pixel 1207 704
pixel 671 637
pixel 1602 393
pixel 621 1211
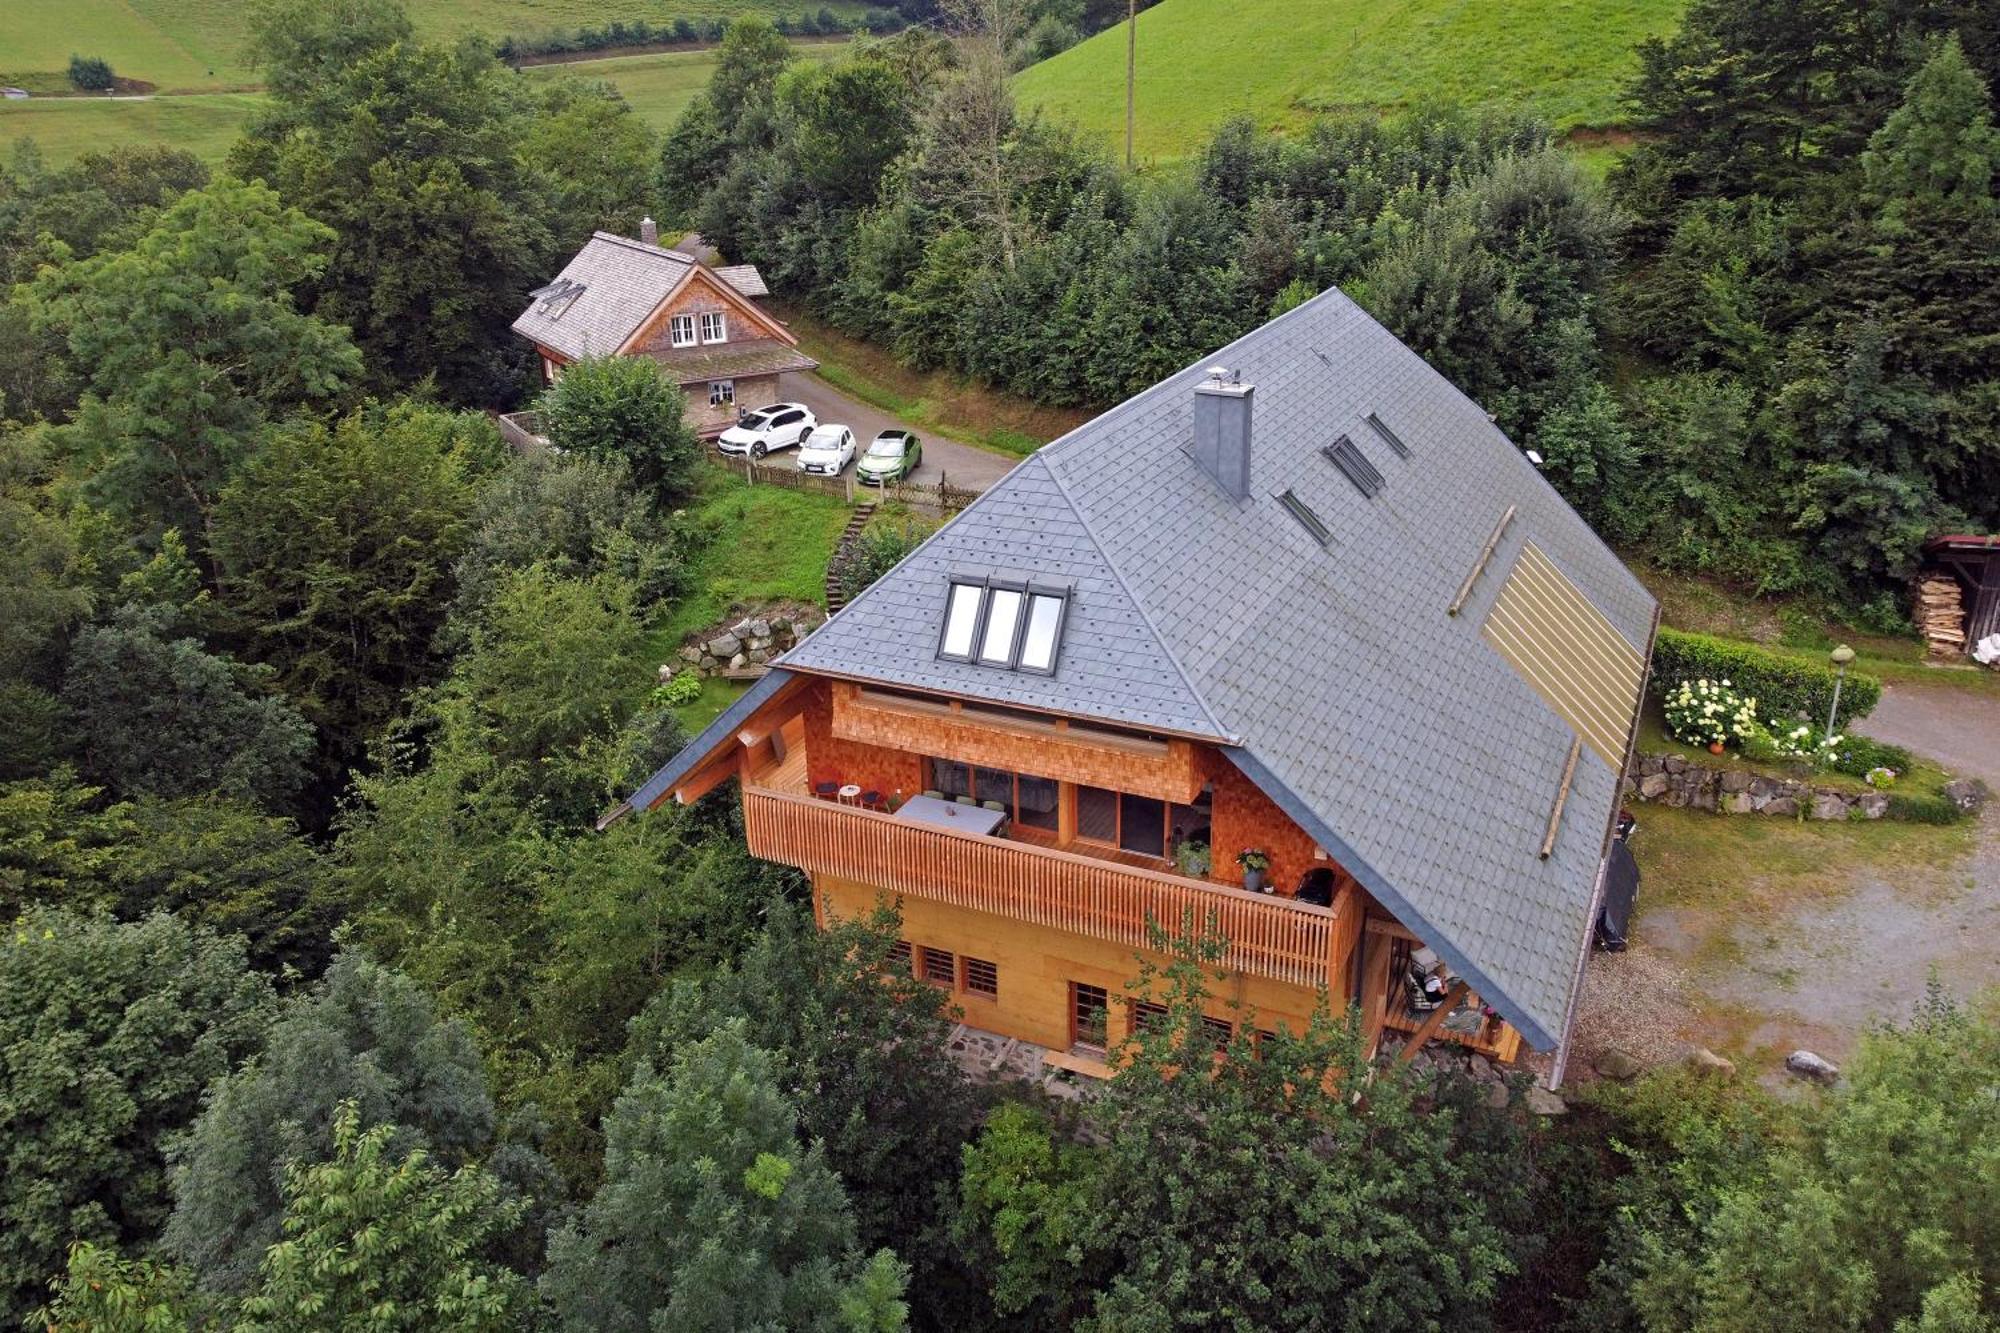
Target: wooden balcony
pixel 1266 936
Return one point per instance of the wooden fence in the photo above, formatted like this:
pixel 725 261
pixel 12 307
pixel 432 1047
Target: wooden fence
pixel 522 430
pixel 939 497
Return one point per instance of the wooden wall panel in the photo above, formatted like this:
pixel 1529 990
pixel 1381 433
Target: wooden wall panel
pixel 831 758
pixel 1171 772
pixel 1036 966
pixel 1245 817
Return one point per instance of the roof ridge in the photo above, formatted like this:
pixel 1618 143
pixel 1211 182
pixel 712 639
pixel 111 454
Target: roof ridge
pixel 654 251
pixel 1124 586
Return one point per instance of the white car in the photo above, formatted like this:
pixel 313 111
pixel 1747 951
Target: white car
pixel 828 452
pixel 779 426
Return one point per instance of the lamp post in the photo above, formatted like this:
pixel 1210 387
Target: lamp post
pixel 1840 657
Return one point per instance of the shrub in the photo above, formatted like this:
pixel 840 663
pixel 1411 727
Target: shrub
pixel 91 73
pixel 684 688
pixel 1918 809
pixel 1710 712
pixel 1783 686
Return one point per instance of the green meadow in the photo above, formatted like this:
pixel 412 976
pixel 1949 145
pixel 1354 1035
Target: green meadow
pixel 659 86
pixel 1281 62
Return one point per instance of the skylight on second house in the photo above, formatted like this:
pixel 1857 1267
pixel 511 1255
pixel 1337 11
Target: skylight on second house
pixel 1347 456
pixel 1004 623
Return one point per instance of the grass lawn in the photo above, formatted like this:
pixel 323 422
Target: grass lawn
pixel 65 128
pixel 1281 62
pixel 659 86
pixel 949 404
pixel 188 45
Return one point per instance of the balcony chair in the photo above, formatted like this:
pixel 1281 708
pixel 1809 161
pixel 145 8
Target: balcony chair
pixel 1316 886
pixel 965 800
pixel 1001 806
pixel 933 795
pixel 871 800
pixel 826 791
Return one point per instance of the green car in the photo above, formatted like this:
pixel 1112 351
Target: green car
pixel 893 456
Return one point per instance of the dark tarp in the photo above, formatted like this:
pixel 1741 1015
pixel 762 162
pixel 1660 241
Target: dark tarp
pixel 1621 893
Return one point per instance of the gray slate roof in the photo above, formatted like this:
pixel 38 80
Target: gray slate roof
pixel 1389 730
pixel 624 281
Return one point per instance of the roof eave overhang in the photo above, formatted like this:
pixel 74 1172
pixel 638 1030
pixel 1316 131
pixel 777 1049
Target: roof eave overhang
pixel 697 752
pixel 1177 733
pixel 1386 893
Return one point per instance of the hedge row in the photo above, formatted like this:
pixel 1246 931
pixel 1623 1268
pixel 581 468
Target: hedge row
pixel 639 32
pixel 1783 686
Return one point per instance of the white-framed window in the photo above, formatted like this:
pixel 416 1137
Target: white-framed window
pixel 714 328
pixel 681 330
pixel 720 392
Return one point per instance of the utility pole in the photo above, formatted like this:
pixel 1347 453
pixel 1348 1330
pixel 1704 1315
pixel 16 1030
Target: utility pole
pixel 1131 70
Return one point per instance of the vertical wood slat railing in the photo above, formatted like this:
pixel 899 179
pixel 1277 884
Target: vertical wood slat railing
pixel 1266 936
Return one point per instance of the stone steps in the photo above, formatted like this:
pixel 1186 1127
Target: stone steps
pixel 848 536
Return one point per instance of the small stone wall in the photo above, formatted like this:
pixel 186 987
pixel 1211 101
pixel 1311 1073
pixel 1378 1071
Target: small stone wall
pixel 1671 779
pixel 751 642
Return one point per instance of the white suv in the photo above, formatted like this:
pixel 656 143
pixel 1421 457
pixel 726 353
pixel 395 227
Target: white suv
pixel 779 426
pixel 828 452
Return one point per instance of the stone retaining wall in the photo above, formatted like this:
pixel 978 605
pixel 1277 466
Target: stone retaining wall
pixel 750 642
pixel 1671 779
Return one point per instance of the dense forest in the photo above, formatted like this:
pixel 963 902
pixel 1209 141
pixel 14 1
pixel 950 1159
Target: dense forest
pixel 322 1005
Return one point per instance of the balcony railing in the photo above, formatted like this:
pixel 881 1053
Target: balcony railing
pixel 1266 936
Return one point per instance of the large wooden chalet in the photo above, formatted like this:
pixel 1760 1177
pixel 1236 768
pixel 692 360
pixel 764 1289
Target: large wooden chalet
pixel 703 325
pixel 1303 599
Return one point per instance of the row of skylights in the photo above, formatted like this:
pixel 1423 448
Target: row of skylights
pixel 1308 520
pixel 997 622
pixel 1348 457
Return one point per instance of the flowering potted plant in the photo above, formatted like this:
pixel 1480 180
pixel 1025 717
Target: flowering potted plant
pixel 1254 862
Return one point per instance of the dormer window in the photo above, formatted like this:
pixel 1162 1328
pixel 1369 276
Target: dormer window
pixel 681 330
pixel 714 328
pixel 1005 623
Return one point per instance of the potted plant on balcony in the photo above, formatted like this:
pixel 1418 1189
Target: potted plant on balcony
pixel 1254 862
pixel 1192 859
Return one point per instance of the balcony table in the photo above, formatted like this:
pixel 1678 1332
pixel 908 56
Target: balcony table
pixel 951 815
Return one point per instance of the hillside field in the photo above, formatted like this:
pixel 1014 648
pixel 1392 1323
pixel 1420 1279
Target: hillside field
pixel 196 45
pixel 1281 62
pixel 659 86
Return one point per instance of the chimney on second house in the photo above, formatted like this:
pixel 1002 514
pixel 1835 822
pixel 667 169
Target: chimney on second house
pixel 1222 429
pixel 649 231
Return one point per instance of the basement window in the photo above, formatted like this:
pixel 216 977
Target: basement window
pixel 1002 623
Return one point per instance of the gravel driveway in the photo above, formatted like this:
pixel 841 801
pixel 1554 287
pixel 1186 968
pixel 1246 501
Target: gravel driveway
pixel 966 465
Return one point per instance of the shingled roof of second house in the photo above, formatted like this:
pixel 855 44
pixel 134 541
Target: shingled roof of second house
pixel 1392 731
pixel 607 291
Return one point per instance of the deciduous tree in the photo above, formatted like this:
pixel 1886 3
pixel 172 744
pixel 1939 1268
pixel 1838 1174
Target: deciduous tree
pixel 625 409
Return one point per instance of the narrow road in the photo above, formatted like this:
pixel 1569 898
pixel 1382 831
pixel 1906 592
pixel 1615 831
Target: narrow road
pixel 1959 728
pixel 964 464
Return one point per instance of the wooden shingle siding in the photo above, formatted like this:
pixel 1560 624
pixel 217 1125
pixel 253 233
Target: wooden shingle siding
pixel 1568 652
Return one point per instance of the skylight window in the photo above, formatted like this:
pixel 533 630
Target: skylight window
pixel 1390 437
pixel 1308 520
pixel 1002 623
pixel 1003 617
pixel 1347 456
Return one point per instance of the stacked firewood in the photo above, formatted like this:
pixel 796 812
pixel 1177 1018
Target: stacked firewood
pixel 1941 614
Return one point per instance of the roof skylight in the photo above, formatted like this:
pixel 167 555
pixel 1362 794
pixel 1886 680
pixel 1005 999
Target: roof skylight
pixel 1308 520
pixel 1004 623
pixel 1393 440
pixel 1347 456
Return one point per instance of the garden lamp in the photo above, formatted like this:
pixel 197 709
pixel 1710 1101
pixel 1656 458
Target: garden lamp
pixel 1840 657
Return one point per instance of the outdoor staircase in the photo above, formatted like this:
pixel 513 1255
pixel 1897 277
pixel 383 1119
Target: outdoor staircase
pixel 848 536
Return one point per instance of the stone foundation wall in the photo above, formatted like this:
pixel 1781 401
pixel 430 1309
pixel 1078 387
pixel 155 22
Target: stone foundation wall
pixel 1673 780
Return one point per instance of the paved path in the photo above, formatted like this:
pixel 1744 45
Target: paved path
pixel 1959 728
pixel 966 465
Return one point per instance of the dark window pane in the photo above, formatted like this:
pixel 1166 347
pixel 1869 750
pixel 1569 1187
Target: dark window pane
pixel 1216 1030
pixel 940 966
pixel 995 784
pixel 982 978
pixel 1142 824
pixel 1038 802
pixel 1090 1007
pixel 1097 814
pixel 950 778
pixel 1148 1017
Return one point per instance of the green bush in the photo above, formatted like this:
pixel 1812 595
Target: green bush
pixel 92 74
pixel 1924 809
pixel 1783 686
pixel 682 689
pixel 1856 756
